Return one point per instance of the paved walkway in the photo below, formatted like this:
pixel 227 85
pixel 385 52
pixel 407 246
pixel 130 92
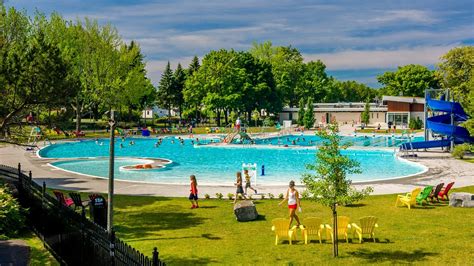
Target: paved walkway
pixel 14 252
pixel 442 168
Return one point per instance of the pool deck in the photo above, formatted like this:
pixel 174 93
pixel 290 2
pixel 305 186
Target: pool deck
pixel 441 168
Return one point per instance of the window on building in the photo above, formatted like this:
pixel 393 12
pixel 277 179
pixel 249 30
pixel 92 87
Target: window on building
pixel 398 118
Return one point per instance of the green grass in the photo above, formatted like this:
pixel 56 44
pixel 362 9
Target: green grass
pixel 429 235
pixel 469 160
pixel 39 254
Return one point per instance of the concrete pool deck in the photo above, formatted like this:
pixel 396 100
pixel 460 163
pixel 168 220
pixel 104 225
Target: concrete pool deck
pixel 441 168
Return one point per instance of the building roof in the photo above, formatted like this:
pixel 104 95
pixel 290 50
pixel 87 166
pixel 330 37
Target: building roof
pixel 404 99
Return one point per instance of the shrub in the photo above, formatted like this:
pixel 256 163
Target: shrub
pixel 230 196
pixel 12 216
pixel 219 195
pixel 415 123
pixel 207 196
pixel 271 196
pixel 268 122
pixel 240 197
pixel 262 196
pixel 461 150
pixel 280 196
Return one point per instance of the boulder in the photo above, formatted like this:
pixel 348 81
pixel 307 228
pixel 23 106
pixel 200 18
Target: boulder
pixel 245 211
pixel 461 199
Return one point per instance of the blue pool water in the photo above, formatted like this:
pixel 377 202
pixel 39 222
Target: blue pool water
pixel 215 164
pixel 359 141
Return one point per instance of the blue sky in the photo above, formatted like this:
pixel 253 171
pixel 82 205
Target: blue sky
pixel 357 40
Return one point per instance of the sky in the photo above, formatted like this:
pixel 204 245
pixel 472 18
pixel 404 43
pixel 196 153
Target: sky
pixel 357 40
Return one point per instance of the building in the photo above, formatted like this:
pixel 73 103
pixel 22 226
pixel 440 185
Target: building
pixel 397 110
pixel 401 109
pixel 153 112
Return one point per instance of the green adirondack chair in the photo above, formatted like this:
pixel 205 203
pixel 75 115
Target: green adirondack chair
pixel 423 196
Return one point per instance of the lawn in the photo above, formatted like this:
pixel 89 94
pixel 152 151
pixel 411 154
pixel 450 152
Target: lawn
pixel 39 254
pixel 430 235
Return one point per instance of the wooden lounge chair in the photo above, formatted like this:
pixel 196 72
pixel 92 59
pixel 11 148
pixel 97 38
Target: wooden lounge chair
pixel 435 192
pixel 409 199
pixel 342 227
pixel 444 191
pixel 78 202
pixel 423 196
pixel 312 226
pixel 367 227
pixel 62 199
pixel 281 229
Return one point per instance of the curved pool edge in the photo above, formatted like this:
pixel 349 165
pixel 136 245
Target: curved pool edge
pixel 365 182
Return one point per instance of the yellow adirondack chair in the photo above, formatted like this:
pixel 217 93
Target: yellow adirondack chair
pixel 312 226
pixel 409 199
pixel 367 227
pixel 281 229
pixel 342 227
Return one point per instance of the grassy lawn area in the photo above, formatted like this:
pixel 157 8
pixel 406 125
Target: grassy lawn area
pixel 39 254
pixel 429 235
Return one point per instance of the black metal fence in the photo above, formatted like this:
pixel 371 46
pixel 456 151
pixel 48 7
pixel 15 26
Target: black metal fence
pixel 71 237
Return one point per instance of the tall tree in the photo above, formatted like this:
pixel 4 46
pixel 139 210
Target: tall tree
pixel 165 90
pixel 314 81
pixel 456 73
pixel 309 114
pixel 365 116
pixel 193 66
pixel 329 185
pixel 409 80
pixel 179 83
pixel 32 72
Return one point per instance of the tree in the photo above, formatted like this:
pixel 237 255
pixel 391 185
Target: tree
pixel 309 114
pixel 329 184
pixel 352 91
pixel 179 83
pixel 32 72
pixel 409 80
pixel 314 81
pixel 301 112
pixel 365 116
pixel 193 66
pixel 165 94
pixel 456 73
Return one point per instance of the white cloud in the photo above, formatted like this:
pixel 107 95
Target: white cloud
pixel 418 16
pixel 353 59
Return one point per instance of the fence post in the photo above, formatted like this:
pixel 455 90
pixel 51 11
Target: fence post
pixel 43 193
pixel 155 256
pixel 112 247
pixel 19 170
pixel 20 181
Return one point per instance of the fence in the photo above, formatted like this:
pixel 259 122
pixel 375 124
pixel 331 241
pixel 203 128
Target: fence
pixel 70 236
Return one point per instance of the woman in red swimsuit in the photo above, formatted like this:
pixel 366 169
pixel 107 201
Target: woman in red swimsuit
pixel 193 196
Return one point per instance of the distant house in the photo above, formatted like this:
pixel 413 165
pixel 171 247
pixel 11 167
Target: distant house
pixel 397 110
pixel 156 111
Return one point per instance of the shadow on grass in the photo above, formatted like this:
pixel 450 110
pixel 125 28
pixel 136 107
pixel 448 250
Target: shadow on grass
pixel 210 237
pixel 173 260
pixel 394 256
pixel 355 205
pixel 142 224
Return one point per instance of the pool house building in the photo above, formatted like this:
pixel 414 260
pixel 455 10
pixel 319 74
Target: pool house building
pixel 395 109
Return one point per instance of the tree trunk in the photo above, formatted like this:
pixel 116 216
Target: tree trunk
pixel 335 246
pixel 226 115
pixel 169 115
pixel 78 115
pixel 249 117
pixel 218 117
pixel 6 120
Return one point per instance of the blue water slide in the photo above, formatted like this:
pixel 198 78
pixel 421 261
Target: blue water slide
pixel 442 125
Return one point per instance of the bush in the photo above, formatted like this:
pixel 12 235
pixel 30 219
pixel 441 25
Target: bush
pixel 268 122
pixel 262 196
pixel 207 196
pixel 271 196
pixel 230 196
pixel 461 150
pixel 280 196
pixel 219 195
pixel 415 123
pixel 12 216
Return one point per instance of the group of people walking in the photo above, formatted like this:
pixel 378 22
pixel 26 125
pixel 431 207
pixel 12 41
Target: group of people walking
pixel 291 197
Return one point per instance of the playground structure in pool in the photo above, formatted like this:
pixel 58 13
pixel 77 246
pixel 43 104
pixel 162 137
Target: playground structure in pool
pixel 444 122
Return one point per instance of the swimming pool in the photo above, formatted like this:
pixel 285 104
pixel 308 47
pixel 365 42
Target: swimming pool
pixel 214 165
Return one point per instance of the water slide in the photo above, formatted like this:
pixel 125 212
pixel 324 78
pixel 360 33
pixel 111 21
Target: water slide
pixel 441 124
